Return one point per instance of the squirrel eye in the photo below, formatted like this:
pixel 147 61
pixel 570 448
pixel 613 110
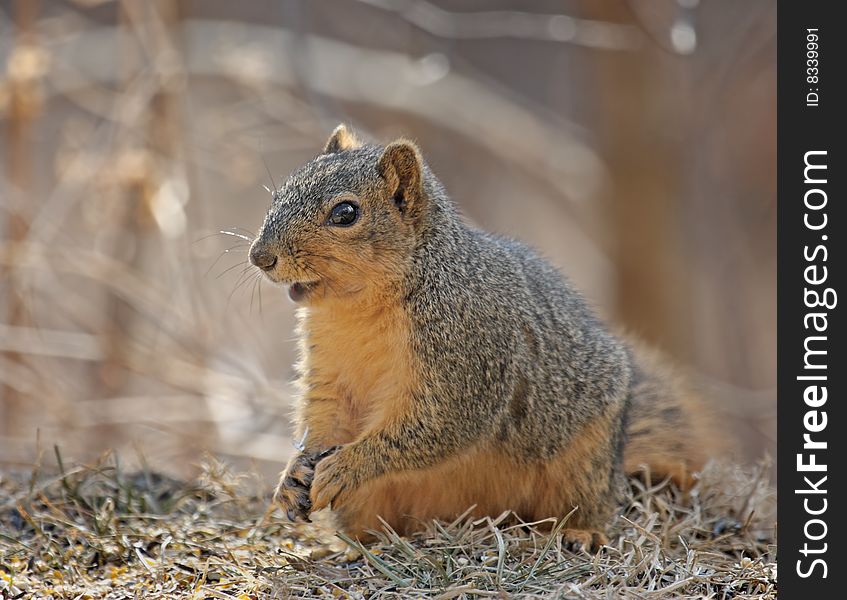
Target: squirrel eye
pixel 343 214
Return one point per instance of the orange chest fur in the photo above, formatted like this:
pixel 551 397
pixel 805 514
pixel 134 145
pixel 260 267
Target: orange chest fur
pixel 360 359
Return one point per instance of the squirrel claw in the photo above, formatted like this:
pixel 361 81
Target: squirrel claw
pixel 328 452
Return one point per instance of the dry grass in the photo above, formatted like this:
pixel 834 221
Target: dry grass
pixel 97 532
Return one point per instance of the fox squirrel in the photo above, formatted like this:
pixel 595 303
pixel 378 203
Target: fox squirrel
pixel 445 367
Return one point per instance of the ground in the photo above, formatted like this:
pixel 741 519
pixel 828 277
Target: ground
pixel 95 531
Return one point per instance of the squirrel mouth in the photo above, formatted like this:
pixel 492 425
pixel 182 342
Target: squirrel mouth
pixel 299 290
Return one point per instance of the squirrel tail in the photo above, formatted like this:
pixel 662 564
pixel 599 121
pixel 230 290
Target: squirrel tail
pixel 671 431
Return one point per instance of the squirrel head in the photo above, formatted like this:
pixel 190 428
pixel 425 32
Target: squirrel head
pixel 344 222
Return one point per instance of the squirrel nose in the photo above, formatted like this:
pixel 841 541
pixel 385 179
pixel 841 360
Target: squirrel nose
pixel 262 258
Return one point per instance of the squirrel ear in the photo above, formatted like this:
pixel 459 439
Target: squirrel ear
pixel 401 166
pixel 341 139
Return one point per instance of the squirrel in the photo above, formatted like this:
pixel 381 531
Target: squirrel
pixel 444 367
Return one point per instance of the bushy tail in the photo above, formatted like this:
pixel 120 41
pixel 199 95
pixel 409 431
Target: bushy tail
pixel 671 431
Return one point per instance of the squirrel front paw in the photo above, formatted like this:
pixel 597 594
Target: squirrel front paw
pixel 335 479
pixel 292 492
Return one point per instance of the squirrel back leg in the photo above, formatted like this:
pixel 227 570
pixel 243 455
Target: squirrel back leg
pixel 585 475
pixel 408 501
pixel 671 431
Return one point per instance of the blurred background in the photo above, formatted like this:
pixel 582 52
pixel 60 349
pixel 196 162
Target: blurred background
pixel 632 142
